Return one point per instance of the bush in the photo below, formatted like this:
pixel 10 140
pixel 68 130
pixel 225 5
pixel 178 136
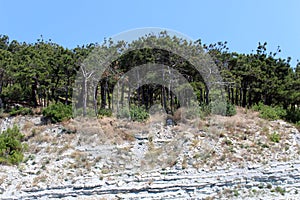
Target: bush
pixel 223 108
pixel 138 113
pixel 11 147
pixel 218 108
pixel 89 112
pixel 230 110
pixel 105 112
pixel 205 110
pixel 270 113
pixel 280 112
pixel 293 116
pixel 20 111
pixel 258 107
pixel 58 112
pixel 123 113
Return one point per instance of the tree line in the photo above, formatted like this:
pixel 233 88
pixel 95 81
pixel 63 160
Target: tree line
pixel 38 74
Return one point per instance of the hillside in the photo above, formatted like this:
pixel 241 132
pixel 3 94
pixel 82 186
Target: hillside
pixel 238 157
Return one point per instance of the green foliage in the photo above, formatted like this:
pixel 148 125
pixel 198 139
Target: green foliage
pixel 58 112
pixel 218 108
pixel 270 113
pixel 205 110
pixel 230 110
pixel 258 107
pixel 293 116
pixel 281 112
pixel 89 112
pixel 20 111
pixel 274 137
pixel 223 108
pixel 138 113
pixel 280 190
pixel 45 71
pixel 123 113
pixel 191 112
pixel 11 147
pixel 105 112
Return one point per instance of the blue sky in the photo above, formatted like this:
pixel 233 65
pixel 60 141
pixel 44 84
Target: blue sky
pixel 242 23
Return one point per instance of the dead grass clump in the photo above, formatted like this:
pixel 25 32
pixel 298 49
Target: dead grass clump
pixel 27 126
pixel 64 148
pixel 177 115
pixel 38 179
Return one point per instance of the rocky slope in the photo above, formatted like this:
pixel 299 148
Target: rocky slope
pixel 216 158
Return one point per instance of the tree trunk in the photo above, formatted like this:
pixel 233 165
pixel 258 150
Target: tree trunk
pixel 206 95
pixel 84 96
pixel 103 95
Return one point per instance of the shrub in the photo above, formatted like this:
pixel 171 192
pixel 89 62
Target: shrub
pixel 230 109
pixel 20 111
pixel 280 112
pixel 190 112
pixel 218 108
pixel 105 112
pixel 89 112
pixel 270 113
pixel 293 116
pixel 58 112
pixel 123 113
pixel 138 113
pixel 258 107
pixel 223 108
pixel 280 190
pixel 205 110
pixel 11 147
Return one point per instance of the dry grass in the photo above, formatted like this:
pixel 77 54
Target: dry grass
pixel 2 179
pixel 38 179
pixel 27 126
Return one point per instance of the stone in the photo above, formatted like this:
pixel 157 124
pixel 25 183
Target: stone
pixel 170 122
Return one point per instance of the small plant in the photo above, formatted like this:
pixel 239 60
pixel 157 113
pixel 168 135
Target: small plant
pixel 205 110
pixel 123 113
pixel 293 115
pixel 57 112
pixel 105 112
pixel 197 155
pixel 105 171
pixel 265 146
pixel 218 108
pixel 138 113
pixel 274 137
pixel 223 108
pixel 228 142
pixel 11 147
pixel 269 186
pixel 20 111
pixel 184 163
pixel 280 190
pixel 230 109
pixel 236 193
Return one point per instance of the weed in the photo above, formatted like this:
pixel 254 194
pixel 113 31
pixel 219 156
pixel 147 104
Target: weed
pixel 274 137
pixel 280 190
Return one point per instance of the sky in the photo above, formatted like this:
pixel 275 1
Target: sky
pixel 242 23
